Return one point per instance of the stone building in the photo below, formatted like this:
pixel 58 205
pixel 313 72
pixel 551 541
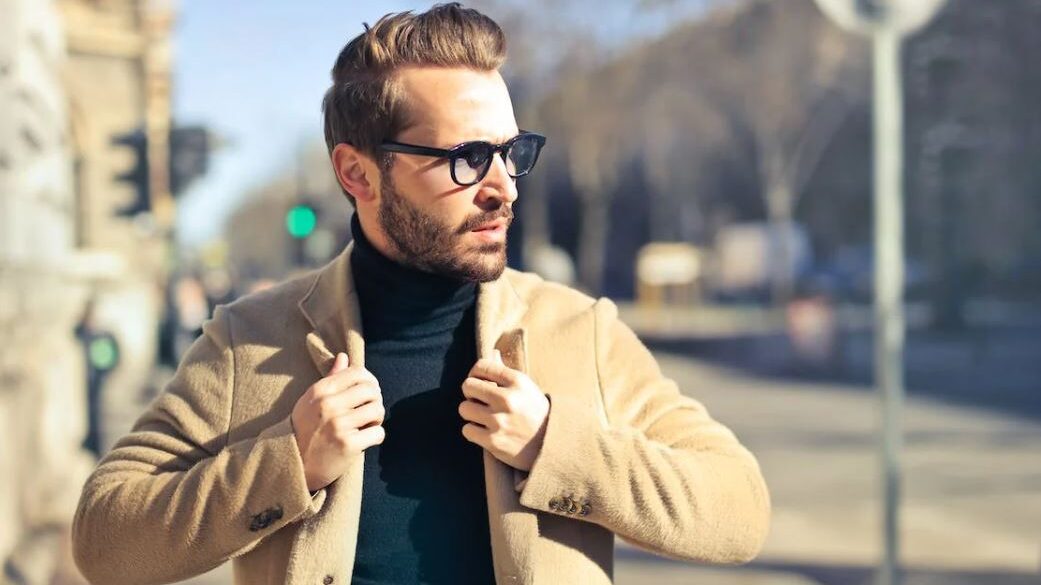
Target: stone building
pixel 73 74
pixel 118 82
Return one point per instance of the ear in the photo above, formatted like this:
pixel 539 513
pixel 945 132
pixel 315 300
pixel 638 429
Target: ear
pixel 355 171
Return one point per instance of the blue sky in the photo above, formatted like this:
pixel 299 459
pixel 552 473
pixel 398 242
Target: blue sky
pixel 255 72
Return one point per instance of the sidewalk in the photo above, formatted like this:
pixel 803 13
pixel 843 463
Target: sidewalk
pixel 972 483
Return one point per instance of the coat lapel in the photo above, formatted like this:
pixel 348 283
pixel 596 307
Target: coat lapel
pixel 513 529
pixel 327 540
pixel 331 307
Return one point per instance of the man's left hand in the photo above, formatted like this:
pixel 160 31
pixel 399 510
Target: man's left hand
pixel 507 413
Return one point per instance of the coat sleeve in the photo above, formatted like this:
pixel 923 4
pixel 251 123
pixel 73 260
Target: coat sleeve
pixel 663 475
pixel 173 499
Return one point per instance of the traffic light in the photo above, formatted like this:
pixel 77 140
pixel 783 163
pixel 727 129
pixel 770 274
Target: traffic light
pixel 190 148
pixel 302 227
pixel 137 175
pixel 301 220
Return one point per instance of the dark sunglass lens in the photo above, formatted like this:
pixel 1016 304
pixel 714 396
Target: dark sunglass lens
pixel 477 155
pixel 522 154
pixel 470 163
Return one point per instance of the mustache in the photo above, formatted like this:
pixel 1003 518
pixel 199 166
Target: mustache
pixel 474 223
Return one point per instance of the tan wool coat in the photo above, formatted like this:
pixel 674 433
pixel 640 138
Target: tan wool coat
pixel 211 471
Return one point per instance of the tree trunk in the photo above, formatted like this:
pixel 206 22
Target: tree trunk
pixel 592 240
pixel 779 208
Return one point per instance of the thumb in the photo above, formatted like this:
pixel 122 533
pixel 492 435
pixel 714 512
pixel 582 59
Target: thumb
pixel 341 364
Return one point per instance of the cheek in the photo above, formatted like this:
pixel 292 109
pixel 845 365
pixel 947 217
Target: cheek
pixel 435 180
pixel 439 197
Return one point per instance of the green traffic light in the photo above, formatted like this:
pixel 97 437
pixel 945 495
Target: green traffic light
pixel 102 353
pixel 301 221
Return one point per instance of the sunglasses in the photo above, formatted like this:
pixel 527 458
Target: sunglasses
pixel 469 162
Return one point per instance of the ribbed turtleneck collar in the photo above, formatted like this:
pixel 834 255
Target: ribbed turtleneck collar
pixel 396 298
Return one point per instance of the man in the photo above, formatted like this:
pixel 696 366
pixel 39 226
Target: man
pixel 415 412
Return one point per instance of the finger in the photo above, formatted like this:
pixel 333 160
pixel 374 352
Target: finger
pixel 334 405
pixel 477 435
pixel 363 415
pixel 367 437
pixel 489 369
pixel 484 391
pixel 341 363
pixel 343 380
pixel 476 413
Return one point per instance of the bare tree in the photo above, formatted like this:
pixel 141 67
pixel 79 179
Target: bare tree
pixel 791 85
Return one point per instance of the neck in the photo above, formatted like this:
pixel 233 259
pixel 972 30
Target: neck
pixel 365 230
pixel 383 281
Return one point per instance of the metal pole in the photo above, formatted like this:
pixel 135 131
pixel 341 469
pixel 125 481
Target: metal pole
pixel 889 278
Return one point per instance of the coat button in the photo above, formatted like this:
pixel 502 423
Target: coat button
pixel 572 508
pixel 266 518
pixel 328 580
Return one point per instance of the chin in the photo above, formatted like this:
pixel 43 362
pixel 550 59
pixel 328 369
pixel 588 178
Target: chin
pixel 489 266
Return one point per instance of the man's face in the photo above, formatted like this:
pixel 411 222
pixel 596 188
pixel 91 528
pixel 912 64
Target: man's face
pixel 428 220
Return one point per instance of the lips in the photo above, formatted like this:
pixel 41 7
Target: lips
pixel 491 225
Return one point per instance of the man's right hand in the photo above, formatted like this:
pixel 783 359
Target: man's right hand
pixel 336 419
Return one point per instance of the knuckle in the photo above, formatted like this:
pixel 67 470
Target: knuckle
pixel 340 427
pixel 355 443
pixel 325 411
pixel 500 420
pixel 368 410
pixel 509 401
pixel 321 388
pixel 364 391
pixel 497 441
pixel 342 443
pixel 347 443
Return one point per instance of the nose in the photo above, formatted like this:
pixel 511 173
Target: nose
pixel 498 183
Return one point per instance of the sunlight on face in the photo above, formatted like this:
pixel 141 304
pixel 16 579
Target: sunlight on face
pixel 427 218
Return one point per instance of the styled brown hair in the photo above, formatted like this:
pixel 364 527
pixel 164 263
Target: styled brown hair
pixel 364 106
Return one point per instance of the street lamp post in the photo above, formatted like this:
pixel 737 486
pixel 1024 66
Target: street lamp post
pixel 886 22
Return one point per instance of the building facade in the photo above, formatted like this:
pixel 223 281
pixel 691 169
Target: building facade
pixel 74 74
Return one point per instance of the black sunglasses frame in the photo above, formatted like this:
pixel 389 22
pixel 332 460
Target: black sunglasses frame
pixel 460 150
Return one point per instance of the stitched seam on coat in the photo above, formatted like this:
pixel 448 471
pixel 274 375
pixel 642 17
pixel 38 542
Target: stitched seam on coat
pixel 231 380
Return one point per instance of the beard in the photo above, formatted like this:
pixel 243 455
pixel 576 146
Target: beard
pixel 422 241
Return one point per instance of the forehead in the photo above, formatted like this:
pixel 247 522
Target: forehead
pixel 447 106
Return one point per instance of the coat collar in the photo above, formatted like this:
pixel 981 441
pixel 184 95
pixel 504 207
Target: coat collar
pixel 332 309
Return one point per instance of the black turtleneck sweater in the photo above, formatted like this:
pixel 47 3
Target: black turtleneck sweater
pixel 424 513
